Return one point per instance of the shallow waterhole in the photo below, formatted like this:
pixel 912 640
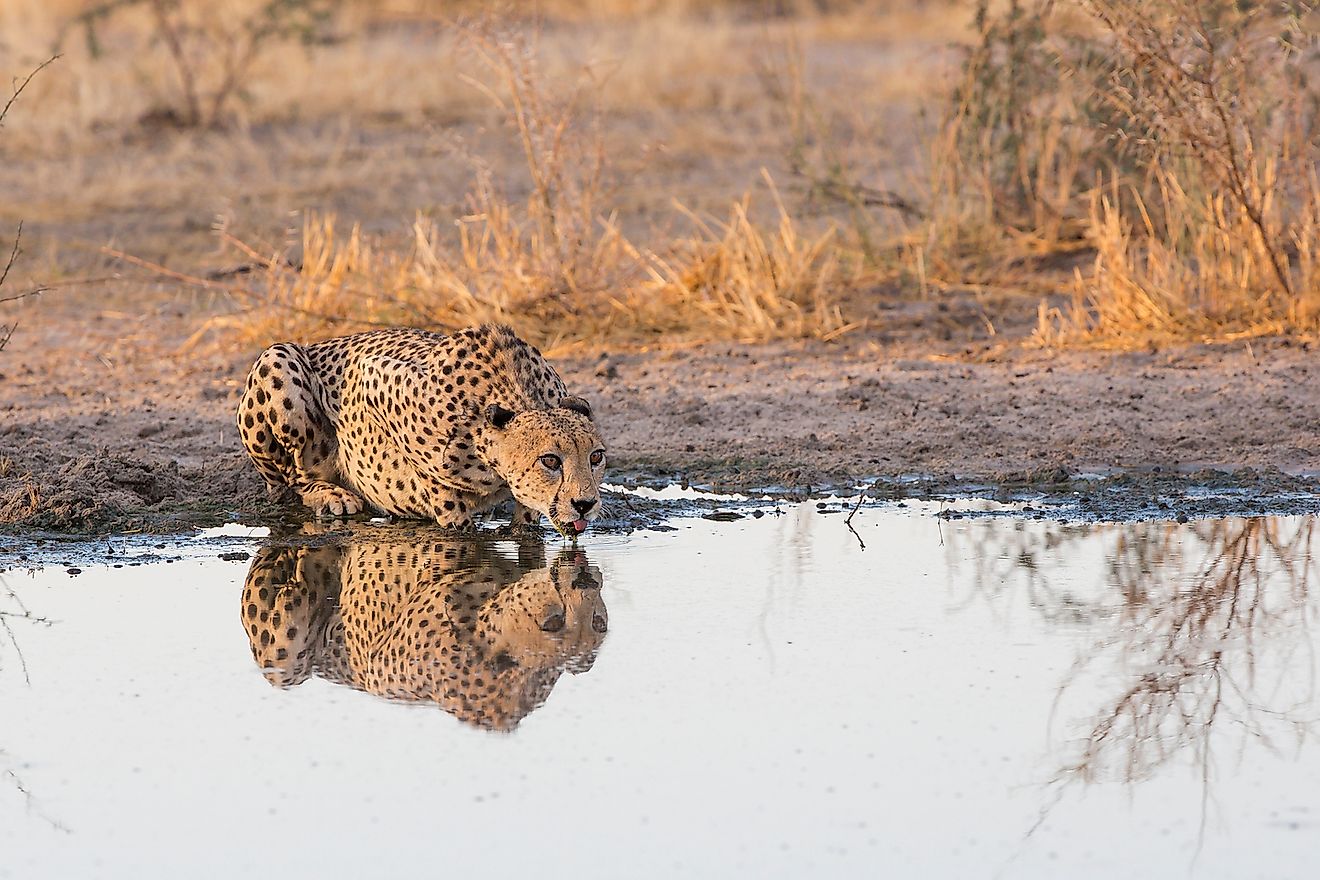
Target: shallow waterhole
pixel 752 697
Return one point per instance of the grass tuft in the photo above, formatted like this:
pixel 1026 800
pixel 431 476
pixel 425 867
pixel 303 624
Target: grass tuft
pixel 554 265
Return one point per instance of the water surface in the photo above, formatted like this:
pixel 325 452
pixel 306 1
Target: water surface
pixel 768 696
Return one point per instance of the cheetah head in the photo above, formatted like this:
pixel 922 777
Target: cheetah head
pixel 552 460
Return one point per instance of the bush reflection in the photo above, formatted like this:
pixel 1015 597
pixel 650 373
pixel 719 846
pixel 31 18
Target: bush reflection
pixel 1197 636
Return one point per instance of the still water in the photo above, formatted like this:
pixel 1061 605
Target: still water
pixel 759 697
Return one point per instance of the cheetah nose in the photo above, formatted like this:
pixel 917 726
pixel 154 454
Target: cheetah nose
pixel 582 505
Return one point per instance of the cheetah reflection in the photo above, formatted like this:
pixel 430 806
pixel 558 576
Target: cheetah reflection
pixel 446 620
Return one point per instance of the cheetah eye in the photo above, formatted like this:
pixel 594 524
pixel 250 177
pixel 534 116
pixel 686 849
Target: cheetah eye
pixel 597 458
pixel 551 461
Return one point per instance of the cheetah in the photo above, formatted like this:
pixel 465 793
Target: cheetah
pixel 438 620
pixel 416 424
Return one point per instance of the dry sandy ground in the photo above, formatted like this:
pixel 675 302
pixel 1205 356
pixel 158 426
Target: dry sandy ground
pixel 106 423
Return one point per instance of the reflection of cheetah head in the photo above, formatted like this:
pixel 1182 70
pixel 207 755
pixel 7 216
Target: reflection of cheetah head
pixel 550 616
pixel 552 460
pixel 442 620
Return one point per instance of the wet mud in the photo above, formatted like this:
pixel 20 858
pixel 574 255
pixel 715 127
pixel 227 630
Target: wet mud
pixel 132 532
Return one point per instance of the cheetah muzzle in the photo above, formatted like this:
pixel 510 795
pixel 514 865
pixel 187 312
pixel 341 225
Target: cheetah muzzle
pixel 417 424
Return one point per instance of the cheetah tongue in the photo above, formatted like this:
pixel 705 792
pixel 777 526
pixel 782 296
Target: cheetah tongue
pixel 579 525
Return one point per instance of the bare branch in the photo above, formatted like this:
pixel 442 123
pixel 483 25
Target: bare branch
pixel 23 85
pixel 13 255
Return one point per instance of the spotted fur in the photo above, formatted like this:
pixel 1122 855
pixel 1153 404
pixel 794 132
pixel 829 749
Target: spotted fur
pixel 417 424
pixel 440 621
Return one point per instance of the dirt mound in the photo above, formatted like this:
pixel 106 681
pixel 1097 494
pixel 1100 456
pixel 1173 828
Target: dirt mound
pixel 87 490
pixel 96 492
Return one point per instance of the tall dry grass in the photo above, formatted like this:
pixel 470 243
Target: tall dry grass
pixel 554 264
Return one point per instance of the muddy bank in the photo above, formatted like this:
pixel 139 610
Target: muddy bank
pixel 105 431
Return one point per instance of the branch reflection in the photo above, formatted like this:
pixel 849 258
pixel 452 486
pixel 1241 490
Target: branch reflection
pixel 13 612
pixel 440 619
pixel 1200 628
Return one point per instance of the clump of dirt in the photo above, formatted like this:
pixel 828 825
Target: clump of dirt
pixel 90 490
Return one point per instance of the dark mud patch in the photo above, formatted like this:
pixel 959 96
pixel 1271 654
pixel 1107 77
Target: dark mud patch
pixel 1134 496
pixel 1046 493
pixel 97 496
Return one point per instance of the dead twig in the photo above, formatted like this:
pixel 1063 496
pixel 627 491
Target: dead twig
pixel 13 255
pixel 18 90
pixel 24 295
pixel 847 521
pixel 158 269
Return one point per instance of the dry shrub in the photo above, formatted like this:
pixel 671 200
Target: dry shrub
pixel 554 265
pixel 211 48
pixel 185 63
pixel 1175 138
pixel 1015 149
pixel 1220 238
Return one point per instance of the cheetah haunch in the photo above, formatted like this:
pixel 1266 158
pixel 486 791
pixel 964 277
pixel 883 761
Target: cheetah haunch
pixel 417 424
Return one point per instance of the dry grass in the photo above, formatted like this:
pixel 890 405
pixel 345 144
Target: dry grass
pixel 730 280
pixel 541 245
pixel 238 63
pixel 1205 273
pixel 554 265
pixel 1148 164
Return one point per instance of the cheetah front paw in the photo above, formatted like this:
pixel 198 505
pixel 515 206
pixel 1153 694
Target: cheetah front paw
pixel 329 501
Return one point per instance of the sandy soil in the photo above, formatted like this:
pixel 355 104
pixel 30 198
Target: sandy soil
pixel 106 423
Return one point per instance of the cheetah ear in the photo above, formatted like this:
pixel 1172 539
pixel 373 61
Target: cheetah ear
pixel 577 405
pixel 498 415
